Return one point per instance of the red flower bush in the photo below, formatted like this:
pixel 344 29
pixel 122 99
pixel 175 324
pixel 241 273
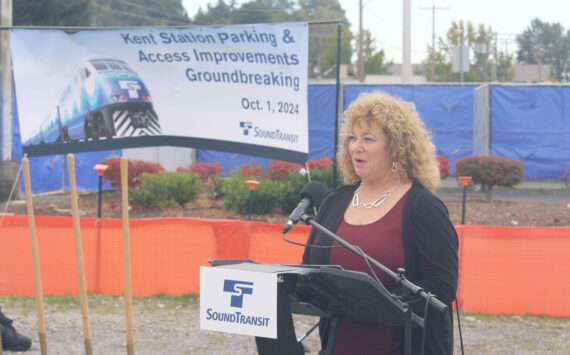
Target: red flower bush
pixel 252 170
pixel 489 171
pixel 279 170
pixel 443 164
pixel 204 170
pixel 321 163
pixel 136 169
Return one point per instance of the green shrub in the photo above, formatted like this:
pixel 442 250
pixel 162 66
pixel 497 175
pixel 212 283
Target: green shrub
pixel 164 190
pixel 489 171
pixel 265 197
pixel 141 197
pixel 280 195
pixel 325 176
pixel 151 191
pixel 235 192
pixel 182 187
pixel 289 191
pixel 216 186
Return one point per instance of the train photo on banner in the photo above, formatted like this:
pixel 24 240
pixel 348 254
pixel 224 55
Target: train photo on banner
pixel 105 99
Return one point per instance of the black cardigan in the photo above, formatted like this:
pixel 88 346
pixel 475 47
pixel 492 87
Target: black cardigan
pixel 430 259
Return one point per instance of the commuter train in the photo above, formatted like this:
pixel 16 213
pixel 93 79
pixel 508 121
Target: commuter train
pixel 105 99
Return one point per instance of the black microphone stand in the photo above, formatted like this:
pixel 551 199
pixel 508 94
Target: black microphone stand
pixel 399 277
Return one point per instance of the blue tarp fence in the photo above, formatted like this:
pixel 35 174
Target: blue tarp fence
pixel 530 124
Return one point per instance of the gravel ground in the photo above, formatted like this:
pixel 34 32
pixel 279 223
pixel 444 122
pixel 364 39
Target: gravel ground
pixel 170 325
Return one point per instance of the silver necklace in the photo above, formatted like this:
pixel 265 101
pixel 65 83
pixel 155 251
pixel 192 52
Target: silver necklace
pixel 380 200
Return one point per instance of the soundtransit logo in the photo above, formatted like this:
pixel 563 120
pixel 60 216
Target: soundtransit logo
pixel 246 127
pixel 270 134
pixel 240 288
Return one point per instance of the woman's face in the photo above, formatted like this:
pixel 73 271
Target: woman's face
pixel 368 149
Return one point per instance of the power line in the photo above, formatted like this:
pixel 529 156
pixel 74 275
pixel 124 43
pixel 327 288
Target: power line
pixel 433 8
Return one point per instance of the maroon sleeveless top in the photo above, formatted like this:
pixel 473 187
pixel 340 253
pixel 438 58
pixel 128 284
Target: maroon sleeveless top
pixel 381 240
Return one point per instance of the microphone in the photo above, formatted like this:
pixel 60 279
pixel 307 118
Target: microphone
pixel 311 195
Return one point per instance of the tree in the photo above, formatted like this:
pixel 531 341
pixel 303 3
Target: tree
pixel 328 58
pixel 100 13
pixel 480 40
pixel 442 67
pixel 322 38
pixel 374 60
pixel 545 43
pixel 252 12
pixel 259 11
pixel 52 13
pixel 141 13
pixel 220 14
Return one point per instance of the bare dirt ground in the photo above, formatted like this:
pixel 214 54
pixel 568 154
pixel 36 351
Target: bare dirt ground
pixel 478 211
pixel 170 325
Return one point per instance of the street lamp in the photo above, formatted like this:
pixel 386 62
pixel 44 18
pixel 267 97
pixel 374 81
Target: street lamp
pixel 252 184
pixel 100 168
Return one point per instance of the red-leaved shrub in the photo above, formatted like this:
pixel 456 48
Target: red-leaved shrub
pixel 489 170
pixel 321 163
pixel 136 169
pixel 252 170
pixel 443 164
pixel 204 170
pixel 278 170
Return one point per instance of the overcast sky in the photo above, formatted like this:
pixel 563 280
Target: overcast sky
pixel 384 19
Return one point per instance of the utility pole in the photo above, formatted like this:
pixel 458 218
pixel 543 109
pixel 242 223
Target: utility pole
pixel 433 8
pixel 506 59
pixel 495 57
pixel 360 46
pixel 407 45
pixel 6 64
pixel 94 13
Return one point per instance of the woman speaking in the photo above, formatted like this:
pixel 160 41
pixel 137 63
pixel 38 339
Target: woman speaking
pixel 389 210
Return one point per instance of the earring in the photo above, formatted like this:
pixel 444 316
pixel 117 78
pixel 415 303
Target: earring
pixel 394 166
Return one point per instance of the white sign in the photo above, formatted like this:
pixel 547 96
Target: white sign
pixel 237 301
pixel 460 58
pixel 236 88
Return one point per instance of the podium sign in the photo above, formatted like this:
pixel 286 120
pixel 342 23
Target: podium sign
pixel 238 301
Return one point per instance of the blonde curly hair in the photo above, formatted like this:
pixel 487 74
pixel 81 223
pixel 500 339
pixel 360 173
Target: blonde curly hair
pixel 409 142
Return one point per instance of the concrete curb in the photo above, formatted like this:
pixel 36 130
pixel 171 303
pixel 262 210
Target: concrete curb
pixel 531 191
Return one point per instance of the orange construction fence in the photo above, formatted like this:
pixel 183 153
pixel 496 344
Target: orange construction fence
pixel 512 270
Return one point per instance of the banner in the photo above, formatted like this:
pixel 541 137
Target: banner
pixel 239 89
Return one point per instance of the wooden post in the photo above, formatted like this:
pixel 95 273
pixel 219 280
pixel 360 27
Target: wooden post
pixel 79 255
pixel 35 257
pixel 127 255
